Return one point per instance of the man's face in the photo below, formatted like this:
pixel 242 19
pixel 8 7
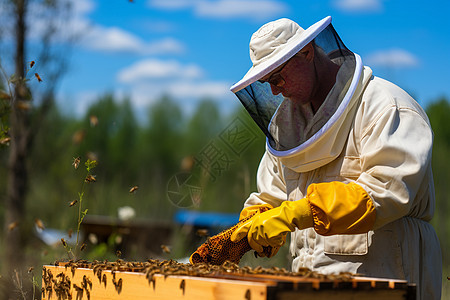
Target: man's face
pixel 295 79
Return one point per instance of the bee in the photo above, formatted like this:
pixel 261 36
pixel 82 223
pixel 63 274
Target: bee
pixel 31 64
pixel 202 232
pixel 73 203
pixel 118 285
pixel 13 225
pixel 63 241
pixel 165 249
pixel 76 162
pixel 30 269
pixel 134 189
pixel 86 282
pixel 39 224
pixel 4 96
pixel 83 247
pixel 183 285
pixel 23 105
pixel 93 120
pixel 118 253
pixel 38 77
pixel 78 289
pixel 248 295
pixel 5 141
pixel 78 136
pixel 90 178
pixel 104 279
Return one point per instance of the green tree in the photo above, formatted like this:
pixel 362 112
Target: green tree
pixel 439 112
pixel 25 115
pixel 109 133
pixel 160 152
pixel 204 125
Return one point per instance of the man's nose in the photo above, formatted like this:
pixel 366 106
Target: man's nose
pixel 275 89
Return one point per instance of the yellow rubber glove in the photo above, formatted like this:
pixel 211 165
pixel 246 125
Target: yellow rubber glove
pixel 331 208
pixel 249 210
pixel 270 227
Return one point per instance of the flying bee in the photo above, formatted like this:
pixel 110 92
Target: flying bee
pixel 5 141
pixel 202 232
pixel 134 189
pixel 30 269
pixel 31 64
pixel 63 241
pixel 78 136
pixel 83 247
pixel 23 105
pixel 13 225
pixel 73 203
pixel 118 253
pixel 165 249
pixel 93 120
pixel 4 96
pixel 90 178
pixel 39 224
pixel 76 162
pixel 38 77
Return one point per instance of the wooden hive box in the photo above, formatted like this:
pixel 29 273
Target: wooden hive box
pixel 63 281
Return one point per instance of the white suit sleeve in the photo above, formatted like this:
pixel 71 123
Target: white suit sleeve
pixel 395 158
pixel 270 183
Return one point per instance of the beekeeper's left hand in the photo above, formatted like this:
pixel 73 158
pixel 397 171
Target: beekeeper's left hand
pixel 270 227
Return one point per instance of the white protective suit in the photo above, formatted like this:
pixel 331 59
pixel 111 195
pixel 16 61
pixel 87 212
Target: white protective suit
pixel 387 143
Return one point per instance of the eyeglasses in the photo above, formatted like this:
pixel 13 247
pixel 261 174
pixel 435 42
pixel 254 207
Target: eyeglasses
pixel 276 79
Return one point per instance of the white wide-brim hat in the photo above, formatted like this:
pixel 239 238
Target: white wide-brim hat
pixel 275 43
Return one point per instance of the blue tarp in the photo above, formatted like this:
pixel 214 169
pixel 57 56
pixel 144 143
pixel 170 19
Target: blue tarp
pixel 206 219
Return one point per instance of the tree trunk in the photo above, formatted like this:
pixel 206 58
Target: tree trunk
pixel 19 148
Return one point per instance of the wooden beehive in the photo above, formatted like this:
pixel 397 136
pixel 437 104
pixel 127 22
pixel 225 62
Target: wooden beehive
pixel 142 281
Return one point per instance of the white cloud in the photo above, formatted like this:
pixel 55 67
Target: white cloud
pixel 171 4
pixel 240 9
pixel 199 89
pixel 150 79
pixel 82 7
pixel 115 39
pixel 144 94
pixel 153 69
pixel 80 29
pixel 397 58
pixel 158 26
pixel 226 9
pixel 111 39
pixel 359 5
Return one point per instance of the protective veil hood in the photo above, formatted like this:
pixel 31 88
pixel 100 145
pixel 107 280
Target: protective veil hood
pixel 301 139
pixel 328 142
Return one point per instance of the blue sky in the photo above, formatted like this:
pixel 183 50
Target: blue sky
pixel 192 49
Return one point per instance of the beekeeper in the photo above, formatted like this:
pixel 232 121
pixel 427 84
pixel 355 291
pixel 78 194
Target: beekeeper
pixel 347 167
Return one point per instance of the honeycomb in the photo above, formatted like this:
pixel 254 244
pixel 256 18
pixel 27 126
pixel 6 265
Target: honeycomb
pixel 219 248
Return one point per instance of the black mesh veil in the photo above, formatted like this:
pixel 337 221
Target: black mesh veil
pixel 260 111
pixel 285 124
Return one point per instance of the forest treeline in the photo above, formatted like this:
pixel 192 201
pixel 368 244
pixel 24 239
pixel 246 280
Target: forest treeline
pixel 205 161
pixel 151 154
